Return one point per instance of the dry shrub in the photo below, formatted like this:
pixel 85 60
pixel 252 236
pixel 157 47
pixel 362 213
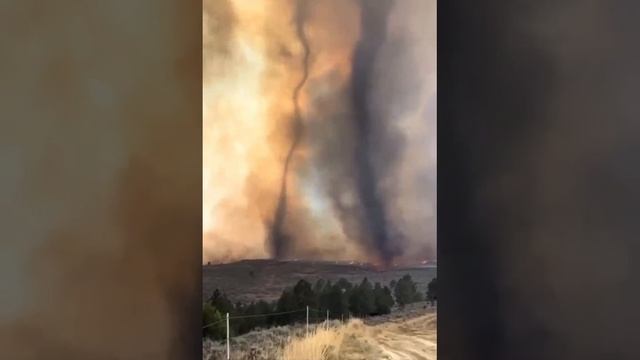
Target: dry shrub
pixel 402 339
pixel 319 345
pixel 409 333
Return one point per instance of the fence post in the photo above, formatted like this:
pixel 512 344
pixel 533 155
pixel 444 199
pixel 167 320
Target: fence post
pixel 307 320
pixel 327 319
pixel 228 346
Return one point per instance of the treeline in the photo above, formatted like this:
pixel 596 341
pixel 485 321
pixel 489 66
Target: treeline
pixel 342 299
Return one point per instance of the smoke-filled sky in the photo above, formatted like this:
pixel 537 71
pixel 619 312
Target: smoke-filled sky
pixel 319 132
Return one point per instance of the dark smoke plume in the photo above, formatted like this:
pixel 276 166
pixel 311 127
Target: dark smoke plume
pixel 375 221
pixel 279 239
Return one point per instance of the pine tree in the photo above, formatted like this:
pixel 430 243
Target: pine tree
pixel 406 291
pixel 383 299
pixel 334 299
pixel 214 322
pixel 220 301
pixel 432 294
pixel 286 302
pixel 362 299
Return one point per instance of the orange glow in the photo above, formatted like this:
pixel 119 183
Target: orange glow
pixel 247 111
pixel 253 60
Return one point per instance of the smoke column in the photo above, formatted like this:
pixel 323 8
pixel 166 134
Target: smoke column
pixel 279 239
pixel 373 21
pixel 319 130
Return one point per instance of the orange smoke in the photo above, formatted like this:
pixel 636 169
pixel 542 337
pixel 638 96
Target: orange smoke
pixel 241 112
pixel 253 61
pixel 247 109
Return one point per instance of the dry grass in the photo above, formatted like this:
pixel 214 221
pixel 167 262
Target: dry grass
pixel 269 343
pixel 316 346
pixel 404 340
pixel 404 334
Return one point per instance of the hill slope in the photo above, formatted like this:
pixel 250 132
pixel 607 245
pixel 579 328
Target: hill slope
pixel 251 280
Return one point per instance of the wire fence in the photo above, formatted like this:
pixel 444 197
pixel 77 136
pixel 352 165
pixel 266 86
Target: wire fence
pixel 228 318
pixel 318 314
pixel 233 317
pixel 214 323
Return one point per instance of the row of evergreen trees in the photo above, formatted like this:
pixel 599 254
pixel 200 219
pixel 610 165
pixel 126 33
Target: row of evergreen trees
pixel 341 299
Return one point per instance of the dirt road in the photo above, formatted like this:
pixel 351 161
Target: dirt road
pixel 403 340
